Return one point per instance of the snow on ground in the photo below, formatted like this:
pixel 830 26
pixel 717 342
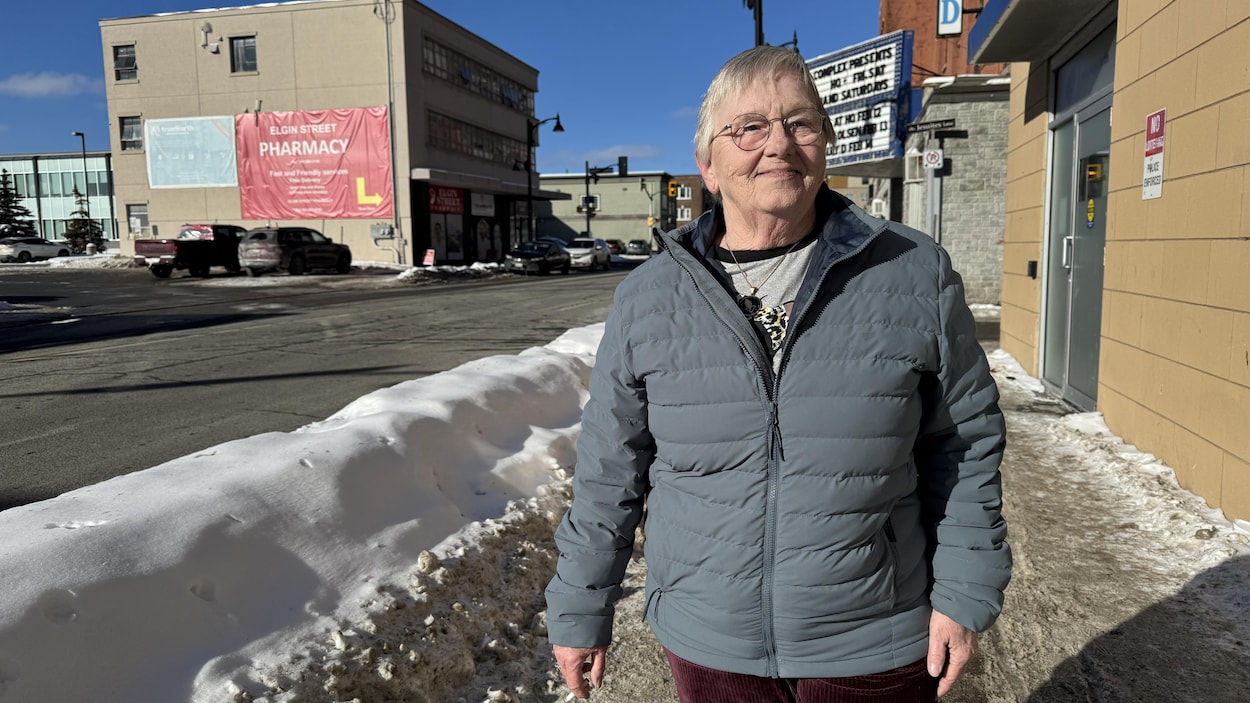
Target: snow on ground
pixel 395 550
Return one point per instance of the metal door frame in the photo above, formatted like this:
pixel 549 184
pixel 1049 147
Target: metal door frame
pixel 1095 104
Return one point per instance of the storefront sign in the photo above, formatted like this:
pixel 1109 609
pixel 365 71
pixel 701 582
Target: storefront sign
pixel 1152 173
pixel 950 18
pixel 482 205
pixel 315 164
pixel 865 89
pixel 448 200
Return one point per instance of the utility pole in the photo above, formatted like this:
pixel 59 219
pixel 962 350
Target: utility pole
pixel 758 7
pixel 593 172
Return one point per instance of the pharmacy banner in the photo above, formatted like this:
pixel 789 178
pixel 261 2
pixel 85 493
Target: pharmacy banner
pixel 315 164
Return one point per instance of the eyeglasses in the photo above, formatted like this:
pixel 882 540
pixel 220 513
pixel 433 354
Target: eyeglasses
pixel 750 131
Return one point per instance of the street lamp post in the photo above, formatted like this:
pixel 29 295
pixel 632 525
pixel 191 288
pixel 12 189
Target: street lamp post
pixel 531 136
pixel 85 198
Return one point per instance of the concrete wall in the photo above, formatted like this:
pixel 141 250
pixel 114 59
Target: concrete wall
pixel 972 188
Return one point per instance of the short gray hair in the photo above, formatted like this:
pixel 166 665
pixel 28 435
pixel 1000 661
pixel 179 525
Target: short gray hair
pixel 737 74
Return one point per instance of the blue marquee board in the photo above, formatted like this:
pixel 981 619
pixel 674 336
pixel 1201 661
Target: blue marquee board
pixel 866 89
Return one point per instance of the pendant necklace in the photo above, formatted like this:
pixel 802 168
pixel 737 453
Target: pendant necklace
pixel 750 303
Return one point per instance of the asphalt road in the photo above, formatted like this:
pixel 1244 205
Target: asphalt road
pixel 106 372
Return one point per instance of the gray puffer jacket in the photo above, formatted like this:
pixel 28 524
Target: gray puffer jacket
pixel 799 524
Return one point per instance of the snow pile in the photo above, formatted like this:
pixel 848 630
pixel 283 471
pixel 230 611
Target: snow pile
pixel 195 579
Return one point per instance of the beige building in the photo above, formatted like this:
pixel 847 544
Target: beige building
pixel 462 127
pixel 621 207
pixel 1128 239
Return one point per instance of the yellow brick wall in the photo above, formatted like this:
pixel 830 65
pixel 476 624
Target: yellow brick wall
pixel 1174 369
pixel 1023 230
pixel 1174 374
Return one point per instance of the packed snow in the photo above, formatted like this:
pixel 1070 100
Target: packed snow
pixel 395 550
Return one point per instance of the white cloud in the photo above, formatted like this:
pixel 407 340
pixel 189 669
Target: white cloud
pixel 48 84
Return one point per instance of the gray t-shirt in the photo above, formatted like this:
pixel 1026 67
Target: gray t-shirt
pixel 773 276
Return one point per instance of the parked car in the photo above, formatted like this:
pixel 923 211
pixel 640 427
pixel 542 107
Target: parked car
pixel 197 249
pixel 295 250
pixel 23 249
pixel 638 246
pixel 590 254
pixel 541 257
pixel 615 247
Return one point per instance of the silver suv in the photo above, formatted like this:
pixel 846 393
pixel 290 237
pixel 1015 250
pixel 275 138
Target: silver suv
pixel 590 254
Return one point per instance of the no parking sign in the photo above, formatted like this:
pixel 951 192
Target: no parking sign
pixel 933 159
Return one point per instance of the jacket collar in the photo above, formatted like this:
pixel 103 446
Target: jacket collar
pixel 844 228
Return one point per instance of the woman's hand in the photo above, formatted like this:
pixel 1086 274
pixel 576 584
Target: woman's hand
pixel 574 665
pixel 951 647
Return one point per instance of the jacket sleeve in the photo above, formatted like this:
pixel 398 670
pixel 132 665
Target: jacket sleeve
pixel 596 536
pixel 958 453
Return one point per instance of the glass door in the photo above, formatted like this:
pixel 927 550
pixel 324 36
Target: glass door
pixel 1077 238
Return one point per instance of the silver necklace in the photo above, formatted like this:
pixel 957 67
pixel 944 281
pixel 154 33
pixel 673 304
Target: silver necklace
pixel 750 303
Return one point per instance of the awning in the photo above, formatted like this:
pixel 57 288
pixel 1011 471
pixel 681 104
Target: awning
pixel 484 184
pixel 1028 30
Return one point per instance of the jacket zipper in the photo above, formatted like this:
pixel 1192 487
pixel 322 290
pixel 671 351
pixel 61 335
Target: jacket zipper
pixel 776 450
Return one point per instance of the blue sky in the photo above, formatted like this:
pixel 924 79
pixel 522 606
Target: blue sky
pixel 626 77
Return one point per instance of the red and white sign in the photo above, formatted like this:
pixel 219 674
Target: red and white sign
pixel 315 164
pixel 446 200
pixel 1152 170
pixel 933 159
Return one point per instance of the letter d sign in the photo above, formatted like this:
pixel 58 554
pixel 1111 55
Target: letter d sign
pixel 950 18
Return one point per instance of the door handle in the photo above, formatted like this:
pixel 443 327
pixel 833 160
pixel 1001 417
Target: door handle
pixel 1067 251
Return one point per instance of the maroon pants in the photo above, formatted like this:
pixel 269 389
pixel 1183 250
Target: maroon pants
pixel 699 684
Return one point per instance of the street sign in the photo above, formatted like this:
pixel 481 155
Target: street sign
pixel 933 159
pixel 930 126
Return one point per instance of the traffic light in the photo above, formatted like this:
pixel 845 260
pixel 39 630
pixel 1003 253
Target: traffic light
pixel 672 189
pixel 622 166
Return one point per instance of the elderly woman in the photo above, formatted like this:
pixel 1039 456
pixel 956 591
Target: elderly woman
pixel 794 391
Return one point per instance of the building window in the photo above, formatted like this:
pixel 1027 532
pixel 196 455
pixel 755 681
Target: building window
pixel 464 138
pixel 683 213
pixel 684 193
pixel 124 66
pixel 137 219
pixel 242 54
pixel 452 66
pixel 132 134
pixel 583 201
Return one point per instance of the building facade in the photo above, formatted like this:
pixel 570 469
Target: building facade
pixel 45 185
pixel 620 207
pixel 960 201
pixel 1128 240
pixel 458 109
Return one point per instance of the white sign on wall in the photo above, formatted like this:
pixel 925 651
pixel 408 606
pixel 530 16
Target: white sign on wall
pixel 950 18
pixel 1152 171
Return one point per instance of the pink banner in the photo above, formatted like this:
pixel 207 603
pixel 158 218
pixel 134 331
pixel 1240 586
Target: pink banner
pixel 315 164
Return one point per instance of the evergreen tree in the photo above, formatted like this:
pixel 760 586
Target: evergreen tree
pixel 12 211
pixel 82 230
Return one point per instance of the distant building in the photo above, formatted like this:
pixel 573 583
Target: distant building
pixel 45 185
pixel 339 120
pixel 621 208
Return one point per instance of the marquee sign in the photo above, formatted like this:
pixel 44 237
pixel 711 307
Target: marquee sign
pixel 866 89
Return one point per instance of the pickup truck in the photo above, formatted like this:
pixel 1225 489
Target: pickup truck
pixel 197 249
